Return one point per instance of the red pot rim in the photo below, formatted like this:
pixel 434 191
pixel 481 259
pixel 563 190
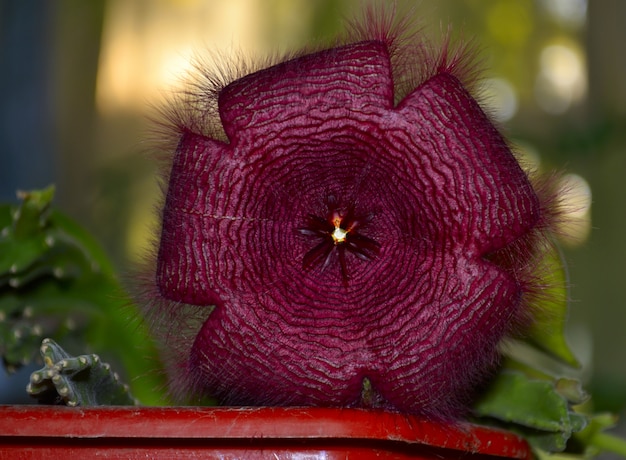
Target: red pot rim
pixel 59 432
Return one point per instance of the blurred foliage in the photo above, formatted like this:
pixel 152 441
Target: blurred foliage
pixel 547 332
pixel 55 281
pixel 538 409
pixel 551 413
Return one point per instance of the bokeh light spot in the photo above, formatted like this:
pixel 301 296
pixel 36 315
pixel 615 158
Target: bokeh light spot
pixel 562 78
pixel 568 12
pixel 501 98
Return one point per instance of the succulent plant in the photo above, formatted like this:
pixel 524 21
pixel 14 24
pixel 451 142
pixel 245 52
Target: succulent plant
pixel 56 282
pixel 76 381
pixel 548 425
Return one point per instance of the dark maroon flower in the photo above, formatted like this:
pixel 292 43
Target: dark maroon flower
pixel 344 249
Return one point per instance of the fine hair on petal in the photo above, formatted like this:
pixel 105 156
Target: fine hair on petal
pixel 415 57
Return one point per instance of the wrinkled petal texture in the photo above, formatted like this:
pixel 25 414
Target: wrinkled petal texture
pixel 441 190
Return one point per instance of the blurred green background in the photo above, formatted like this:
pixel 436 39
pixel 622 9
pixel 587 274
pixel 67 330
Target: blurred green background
pixel 78 78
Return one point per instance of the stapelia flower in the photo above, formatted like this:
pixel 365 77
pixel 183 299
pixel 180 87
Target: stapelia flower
pixel 344 249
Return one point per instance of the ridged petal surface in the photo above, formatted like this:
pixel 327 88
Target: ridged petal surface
pixel 441 190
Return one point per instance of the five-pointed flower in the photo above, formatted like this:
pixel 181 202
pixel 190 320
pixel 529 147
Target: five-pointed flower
pixel 337 237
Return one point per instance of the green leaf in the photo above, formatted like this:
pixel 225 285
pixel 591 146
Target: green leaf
pixel 76 381
pixel 572 390
pixel 550 315
pixel 595 440
pixel 534 408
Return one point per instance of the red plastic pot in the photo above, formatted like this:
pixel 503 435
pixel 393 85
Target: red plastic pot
pixel 52 432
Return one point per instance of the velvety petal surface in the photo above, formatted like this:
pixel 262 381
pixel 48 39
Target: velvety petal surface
pixel 342 238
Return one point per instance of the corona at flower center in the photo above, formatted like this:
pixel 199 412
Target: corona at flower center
pixel 339 235
pixel 339 232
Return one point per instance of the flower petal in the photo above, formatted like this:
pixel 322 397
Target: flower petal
pixel 183 274
pixel 354 77
pixel 474 185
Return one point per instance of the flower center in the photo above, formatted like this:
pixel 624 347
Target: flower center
pixel 337 233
